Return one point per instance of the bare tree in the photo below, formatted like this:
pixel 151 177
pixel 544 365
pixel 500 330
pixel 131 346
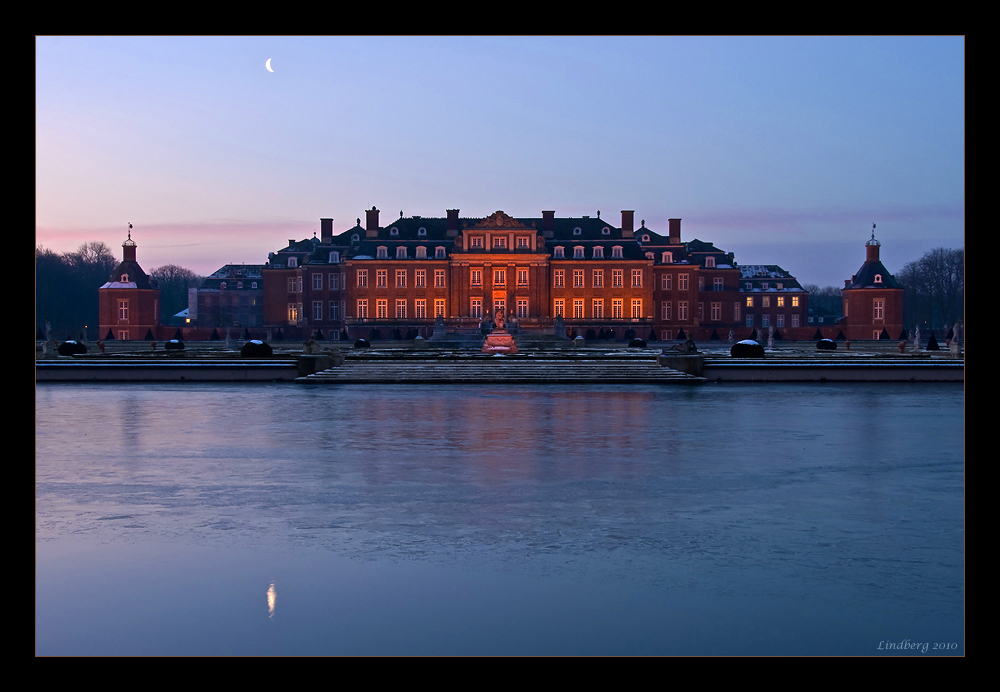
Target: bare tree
pixel 934 289
pixel 174 282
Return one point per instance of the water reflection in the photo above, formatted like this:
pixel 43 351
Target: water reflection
pixel 272 598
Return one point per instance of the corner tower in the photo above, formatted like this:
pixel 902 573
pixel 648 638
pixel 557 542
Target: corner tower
pixel 129 303
pixel 872 299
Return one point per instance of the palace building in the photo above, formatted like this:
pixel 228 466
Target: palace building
pixel 872 300
pixel 129 303
pixel 566 276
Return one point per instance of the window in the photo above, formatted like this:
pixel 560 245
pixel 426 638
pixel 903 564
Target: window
pixel 125 280
pixel 682 282
pixel 710 262
pixel 393 231
pixel 558 252
pixel 765 320
pixel 477 277
pixel 616 251
pixel 645 238
pixel 499 304
pixel 381 309
pixel 499 277
pixel 293 262
pixel 295 312
pixel 598 278
pixel 605 231
pixel 682 311
pixel 332 279
pixel 578 252
pixel 420 278
pixel 123 309
pixel 439 278
pixel 666 281
pixel 522 277
pixel 559 308
pixel 522 241
pixel 381 278
pixel 318 310
pixel 598 309
pixel 400 309
pixel 749 321
pixel 717 284
pixel 616 278
pixel 400 278
pixel 439 253
pixel 334 311
pixel 736 311
pixel 362 278
pixel 420 308
pixel 878 278
pixel 292 285
pixel 421 252
pixel 781 321
pixel 382 253
pixel 421 231
pixel 636 309
pixel 781 286
pixel 439 307
pixel 716 314
pixel 764 286
pixel 795 320
pixel 253 284
pixel 616 308
pixel 476 241
pixel 666 311
pixel 577 278
pixel 748 286
pixel 765 302
pixel 522 308
pixel 667 258
pixel 578 308
pixel 598 252
pixel 476 308
pixel 701 283
pixel 781 301
pixel 499 242
pixel 879 308
pixel 317 282
pixel 559 278
pixel 749 301
pixel 636 278
pixel 401 253
pixel 795 301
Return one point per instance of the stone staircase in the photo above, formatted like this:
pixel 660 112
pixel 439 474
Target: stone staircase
pixel 507 369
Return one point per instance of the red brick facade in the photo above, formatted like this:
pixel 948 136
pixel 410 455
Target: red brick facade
pixel 129 303
pixel 872 300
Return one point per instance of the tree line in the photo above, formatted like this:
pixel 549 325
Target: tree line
pixel 933 291
pixel 66 288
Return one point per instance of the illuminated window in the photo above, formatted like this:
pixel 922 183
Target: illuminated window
pixel 477 277
pixel 781 301
pixel 439 307
pixel 577 278
pixel 559 278
pixel 578 309
pixel 381 309
pixel 476 308
pixel 400 309
pixel 598 309
pixel 499 277
pixel 559 309
pixel 636 309
pixel 420 308
pixel 522 308
pixel 522 277
pixel 636 278
pixel 363 309
pixel 749 301
pixel 616 308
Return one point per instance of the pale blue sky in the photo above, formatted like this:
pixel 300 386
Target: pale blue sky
pixel 783 150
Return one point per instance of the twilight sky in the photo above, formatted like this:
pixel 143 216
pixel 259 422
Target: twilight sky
pixel 783 150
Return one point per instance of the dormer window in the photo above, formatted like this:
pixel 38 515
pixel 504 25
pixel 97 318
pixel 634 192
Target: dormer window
pixel 476 241
pixel 401 253
pixel 599 252
pixel 382 253
pixel 393 231
pixel 605 231
pixel 878 278
pixel 710 262
pixel 764 286
pixel 239 284
pixel 522 241
pixel 421 231
pixel 616 251
pixel 558 252
pixel 650 255
pixel 781 287
pixel 748 286
pixel 645 237
pixel 124 278
pixel 253 284
pixel 421 252
pixel 578 252
pixel 334 257
pixel 499 242
pixel 667 258
pixel 222 285
pixel 293 261
pixel 355 238
pixel 577 231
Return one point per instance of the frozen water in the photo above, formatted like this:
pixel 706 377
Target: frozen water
pixel 282 519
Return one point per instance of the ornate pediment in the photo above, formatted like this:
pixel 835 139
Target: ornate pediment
pixel 500 220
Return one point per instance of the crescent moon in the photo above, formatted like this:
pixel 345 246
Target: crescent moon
pixel 268 65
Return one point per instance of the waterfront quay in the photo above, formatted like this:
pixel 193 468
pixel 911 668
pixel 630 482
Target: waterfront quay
pixel 538 361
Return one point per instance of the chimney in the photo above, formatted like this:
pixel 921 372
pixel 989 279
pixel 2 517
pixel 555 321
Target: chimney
pixel 326 230
pixel 628 223
pixel 675 231
pixel 371 223
pixel 452 223
pixel 548 224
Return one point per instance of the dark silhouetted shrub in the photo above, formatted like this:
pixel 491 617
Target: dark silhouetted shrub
pixel 748 348
pixel 71 348
pixel 174 345
pixel 361 343
pixel 256 349
pixel 826 345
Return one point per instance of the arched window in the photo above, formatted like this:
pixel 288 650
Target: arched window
pixel 667 258
pixel 401 253
pixel 578 252
pixel 616 251
pixel 558 252
pixel 334 257
pixel 710 262
pixel 421 252
pixel 878 278
pixel 382 252
pixel 599 252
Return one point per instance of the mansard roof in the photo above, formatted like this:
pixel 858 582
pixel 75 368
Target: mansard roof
pixel 137 278
pixel 771 274
pixel 869 272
